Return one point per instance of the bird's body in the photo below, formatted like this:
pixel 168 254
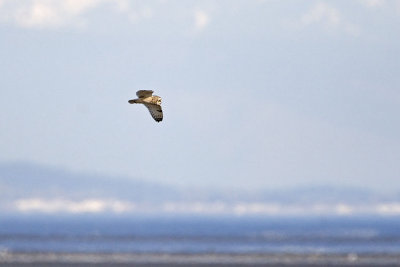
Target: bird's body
pixel 152 103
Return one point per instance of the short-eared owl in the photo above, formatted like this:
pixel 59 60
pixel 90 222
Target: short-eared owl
pixel 152 103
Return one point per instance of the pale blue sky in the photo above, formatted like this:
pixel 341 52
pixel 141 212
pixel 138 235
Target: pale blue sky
pixel 255 93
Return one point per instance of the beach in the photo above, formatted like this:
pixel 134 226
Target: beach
pixel 200 242
pixel 207 259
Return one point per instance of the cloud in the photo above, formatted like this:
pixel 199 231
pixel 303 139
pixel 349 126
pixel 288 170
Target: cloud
pixel 55 206
pixel 330 17
pixel 46 13
pixel 393 5
pixel 53 14
pixel 373 3
pixel 321 13
pixel 201 19
pixel 70 206
pixel 391 208
pixel 38 14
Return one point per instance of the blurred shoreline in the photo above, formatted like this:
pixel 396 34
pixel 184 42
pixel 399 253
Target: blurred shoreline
pixel 206 259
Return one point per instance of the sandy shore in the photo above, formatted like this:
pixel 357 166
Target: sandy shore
pixel 129 259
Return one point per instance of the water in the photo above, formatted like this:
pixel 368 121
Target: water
pixel 200 235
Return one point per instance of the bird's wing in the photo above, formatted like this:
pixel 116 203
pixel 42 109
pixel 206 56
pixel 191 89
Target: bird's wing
pixel 155 111
pixel 144 93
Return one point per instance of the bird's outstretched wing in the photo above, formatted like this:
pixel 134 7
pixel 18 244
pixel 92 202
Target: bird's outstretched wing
pixel 155 111
pixel 144 93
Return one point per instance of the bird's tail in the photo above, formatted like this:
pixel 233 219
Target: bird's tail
pixel 133 101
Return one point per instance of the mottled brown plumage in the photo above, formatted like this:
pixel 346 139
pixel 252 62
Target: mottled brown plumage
pixel 152 103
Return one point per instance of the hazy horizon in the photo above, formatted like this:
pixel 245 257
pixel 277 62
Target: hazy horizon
pixel 30 189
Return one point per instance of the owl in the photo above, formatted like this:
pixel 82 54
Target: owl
pixel 152 103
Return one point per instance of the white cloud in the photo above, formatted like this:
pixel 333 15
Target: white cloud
pixel 36 15
pixel 373 3
pixel 76 7
pixel 53 14
pixel 330 17
pixel 46 13
pixel 39 205
pixel 201 19
pixel 389 208
pixel 322 13
pixel 69 206
pixel 393 5
pixel 343 209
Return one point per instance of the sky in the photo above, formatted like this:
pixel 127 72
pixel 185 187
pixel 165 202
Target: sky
pixel 256 94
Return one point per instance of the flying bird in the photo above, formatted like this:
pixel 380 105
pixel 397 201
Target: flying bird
pixel 152 103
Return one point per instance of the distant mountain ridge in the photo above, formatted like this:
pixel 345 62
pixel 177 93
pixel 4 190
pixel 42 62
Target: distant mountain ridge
pixel 32 187
pixel 19 179
pixel 31 180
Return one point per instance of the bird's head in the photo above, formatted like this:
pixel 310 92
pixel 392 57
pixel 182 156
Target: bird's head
pixel 159 101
